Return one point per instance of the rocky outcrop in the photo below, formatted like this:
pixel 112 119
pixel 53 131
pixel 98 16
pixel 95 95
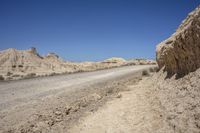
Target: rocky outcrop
pixel 180 54
pixel 16 64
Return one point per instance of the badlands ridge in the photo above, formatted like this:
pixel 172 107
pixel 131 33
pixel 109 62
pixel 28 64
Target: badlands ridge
pixel 17 64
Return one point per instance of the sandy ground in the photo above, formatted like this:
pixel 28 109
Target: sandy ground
pixel 155 104
pixel 54 104
pixel 120 100
pixel 132 111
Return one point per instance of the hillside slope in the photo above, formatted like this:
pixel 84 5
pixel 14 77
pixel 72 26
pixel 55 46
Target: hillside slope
pixel 178 81
pixel 180 53
pixel 17 64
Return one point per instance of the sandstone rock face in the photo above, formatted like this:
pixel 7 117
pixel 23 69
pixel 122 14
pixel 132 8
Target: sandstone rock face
pixel 180 54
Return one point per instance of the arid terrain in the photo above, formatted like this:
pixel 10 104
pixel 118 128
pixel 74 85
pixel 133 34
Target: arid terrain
pixel 168 101
pixel 141 98
pixel 20 64
pixel 50 104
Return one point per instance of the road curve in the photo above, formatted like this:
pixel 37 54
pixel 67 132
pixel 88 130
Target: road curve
pixel 14 93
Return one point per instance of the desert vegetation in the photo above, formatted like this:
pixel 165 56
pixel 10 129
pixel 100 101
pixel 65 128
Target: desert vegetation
pixel 1 78
pixel 145 73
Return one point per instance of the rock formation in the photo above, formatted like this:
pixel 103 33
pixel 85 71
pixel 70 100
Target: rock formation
pixel 180 53
pixel 17 64
pixel 178 96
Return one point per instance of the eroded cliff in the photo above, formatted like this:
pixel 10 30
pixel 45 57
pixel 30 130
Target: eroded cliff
pixel 179 54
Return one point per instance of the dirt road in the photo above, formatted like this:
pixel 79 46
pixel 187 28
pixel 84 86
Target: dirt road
pixel 21 100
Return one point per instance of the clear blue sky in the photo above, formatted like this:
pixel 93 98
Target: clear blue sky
pixel 80 30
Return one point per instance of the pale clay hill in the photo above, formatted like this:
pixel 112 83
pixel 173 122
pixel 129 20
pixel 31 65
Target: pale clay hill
pixel 17 64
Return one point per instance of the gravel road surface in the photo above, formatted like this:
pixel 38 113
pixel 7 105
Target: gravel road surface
pixel 21 100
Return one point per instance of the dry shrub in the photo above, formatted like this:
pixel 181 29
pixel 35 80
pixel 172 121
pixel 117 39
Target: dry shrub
pixel 16 75
pixel 141 63
pixel 20 65
pixel 153 69
pixel 52 74
pixel 14 66
pixel 9 73
pixel 145 73
pixel 9 78
pixel 30 75
pixel 110 90
pixel 1 78
pixel 156 69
